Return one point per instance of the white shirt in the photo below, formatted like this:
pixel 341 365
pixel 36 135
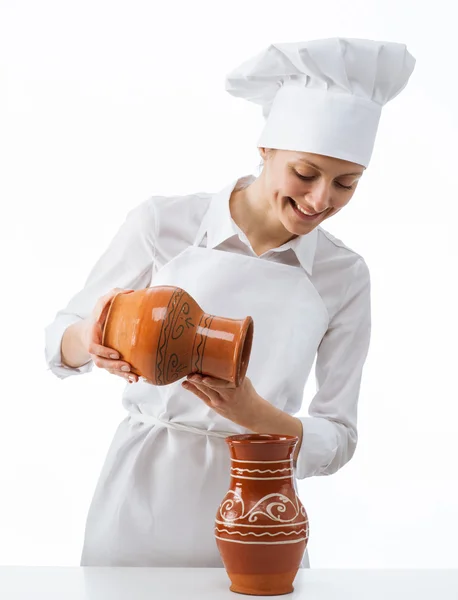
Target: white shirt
pixel 160 228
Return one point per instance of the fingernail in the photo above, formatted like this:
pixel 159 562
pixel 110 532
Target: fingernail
pixel 125 368
pixel 115 356
pixel 131 379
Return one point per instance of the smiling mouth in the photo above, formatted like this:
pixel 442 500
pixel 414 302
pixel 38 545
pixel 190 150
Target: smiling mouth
pixel 302 212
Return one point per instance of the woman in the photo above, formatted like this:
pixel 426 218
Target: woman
pixel 255 248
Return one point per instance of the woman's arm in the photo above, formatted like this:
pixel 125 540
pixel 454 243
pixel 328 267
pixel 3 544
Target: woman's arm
pixel 329 435
pixel 327 438
pixel 271 419
pixel 127 263
pixel 73 350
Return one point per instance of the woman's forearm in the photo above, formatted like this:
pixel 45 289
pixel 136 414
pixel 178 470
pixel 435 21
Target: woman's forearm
pixel 270 419
pixel 73 349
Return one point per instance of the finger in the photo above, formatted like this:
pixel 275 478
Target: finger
pixel 105 352
pixel 96 348
pixel 218 383
pixel 130 377
pixel 211 382
pixel 103 304
pixel 103 308
pixel 197 392
pixel 101 313
pixel 213 395
pixel 115 365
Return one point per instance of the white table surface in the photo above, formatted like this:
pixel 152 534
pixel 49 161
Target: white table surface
pixel 121 583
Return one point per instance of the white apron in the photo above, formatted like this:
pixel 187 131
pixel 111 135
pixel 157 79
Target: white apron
pixel 168 466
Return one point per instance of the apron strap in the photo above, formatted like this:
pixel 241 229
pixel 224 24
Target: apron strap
pixel 153 420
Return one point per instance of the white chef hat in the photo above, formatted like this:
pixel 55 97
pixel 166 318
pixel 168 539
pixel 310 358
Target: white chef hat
pixel 323 96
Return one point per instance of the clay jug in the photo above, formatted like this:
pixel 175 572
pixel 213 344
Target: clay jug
pixel 261 527
pixel 164 335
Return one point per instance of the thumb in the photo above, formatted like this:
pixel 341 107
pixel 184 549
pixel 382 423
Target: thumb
pixel 96 333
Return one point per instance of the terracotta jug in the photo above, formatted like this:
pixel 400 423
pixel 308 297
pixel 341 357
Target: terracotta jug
pixel 164 335
pixel 261 527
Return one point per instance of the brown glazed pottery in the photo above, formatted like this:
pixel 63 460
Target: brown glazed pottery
pixel 164 335
pixel 261 527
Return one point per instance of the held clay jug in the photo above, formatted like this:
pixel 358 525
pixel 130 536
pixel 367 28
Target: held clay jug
pixel 261 527
pixel 164 335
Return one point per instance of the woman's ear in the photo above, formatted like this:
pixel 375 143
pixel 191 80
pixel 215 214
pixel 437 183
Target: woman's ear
pixel 263 153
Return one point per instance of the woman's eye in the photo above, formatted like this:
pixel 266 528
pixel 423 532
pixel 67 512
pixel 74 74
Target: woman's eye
pixel 310 178
pixel 304 178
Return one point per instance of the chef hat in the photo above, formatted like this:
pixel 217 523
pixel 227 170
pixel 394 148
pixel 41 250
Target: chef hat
pixel 323 96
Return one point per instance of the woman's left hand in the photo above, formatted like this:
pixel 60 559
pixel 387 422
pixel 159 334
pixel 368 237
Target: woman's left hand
pixel 242 404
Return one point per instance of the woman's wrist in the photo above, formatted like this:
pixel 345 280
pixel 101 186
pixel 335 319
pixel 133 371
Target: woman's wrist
pixel 270 419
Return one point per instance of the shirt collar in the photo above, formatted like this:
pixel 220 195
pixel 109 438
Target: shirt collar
pixel 219 226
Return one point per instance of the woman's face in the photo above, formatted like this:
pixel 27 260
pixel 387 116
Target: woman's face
pixel 293 185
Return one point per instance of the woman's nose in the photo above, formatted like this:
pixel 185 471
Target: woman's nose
pixel 319 197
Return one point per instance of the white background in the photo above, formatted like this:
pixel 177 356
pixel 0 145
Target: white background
pixel 106 103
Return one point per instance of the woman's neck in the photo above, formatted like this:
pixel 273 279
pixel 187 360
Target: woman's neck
pixel 252 212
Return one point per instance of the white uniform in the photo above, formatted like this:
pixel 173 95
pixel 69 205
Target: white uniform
pixel 168 466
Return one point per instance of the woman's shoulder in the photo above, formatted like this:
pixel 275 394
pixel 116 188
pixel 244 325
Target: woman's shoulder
pixel 332 244
pixel 172 221
pixel 164 206
pixel 332 254
pixel 168 222
pixel 170 210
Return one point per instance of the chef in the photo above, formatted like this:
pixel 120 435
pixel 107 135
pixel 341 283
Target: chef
pixel 258 248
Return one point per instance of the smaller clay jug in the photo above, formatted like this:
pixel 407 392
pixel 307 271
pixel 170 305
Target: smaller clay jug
pixel 164 335
pixel 261 527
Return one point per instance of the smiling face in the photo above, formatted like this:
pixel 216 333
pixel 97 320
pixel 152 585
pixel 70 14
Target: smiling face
pixel 295 183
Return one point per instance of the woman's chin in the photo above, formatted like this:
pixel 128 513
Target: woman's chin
pixel 296 229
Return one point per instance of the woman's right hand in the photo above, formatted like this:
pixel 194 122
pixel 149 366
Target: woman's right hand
pixel 103 357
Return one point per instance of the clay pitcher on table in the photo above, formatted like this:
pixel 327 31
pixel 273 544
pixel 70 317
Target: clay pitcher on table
pixel 261 527
pixel 164 335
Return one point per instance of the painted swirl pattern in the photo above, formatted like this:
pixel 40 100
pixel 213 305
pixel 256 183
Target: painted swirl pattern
pixel 275 517
pixel 165 335
pixel 177 324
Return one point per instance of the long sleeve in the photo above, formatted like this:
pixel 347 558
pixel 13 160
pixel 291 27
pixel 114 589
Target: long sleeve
pixel 330 432
pixel 126 263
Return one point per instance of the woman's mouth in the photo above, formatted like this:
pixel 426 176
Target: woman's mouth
pixel 302 213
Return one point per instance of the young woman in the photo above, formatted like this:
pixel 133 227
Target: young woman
pixel 255 248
